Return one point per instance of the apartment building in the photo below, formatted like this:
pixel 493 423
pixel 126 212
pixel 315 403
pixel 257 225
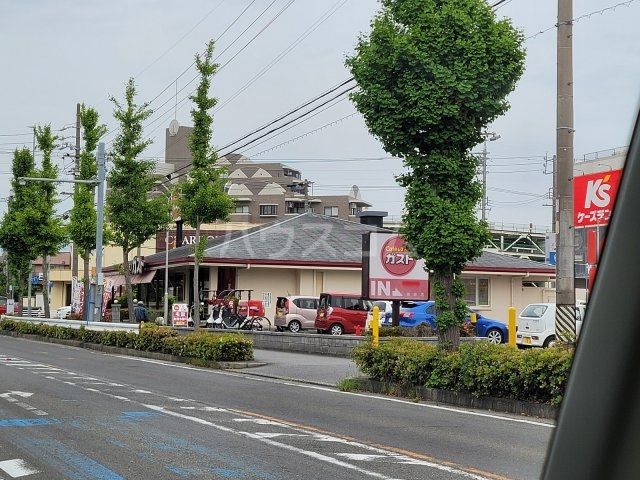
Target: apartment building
pixel 265 191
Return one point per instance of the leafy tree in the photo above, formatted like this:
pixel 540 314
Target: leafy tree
pixel 19 222
pixel 203 198
pixel 83 218
pixel 133 215
pixel 51 234
pixel 432 75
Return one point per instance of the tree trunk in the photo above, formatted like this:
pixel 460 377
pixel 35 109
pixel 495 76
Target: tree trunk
pixel 196 270
pixel 127 281
pixel 45 286
pixel 86 279
pixel 450 337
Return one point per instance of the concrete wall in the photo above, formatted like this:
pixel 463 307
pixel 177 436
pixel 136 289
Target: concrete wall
pixel 507 290
pixel 347 281
pixel 279 282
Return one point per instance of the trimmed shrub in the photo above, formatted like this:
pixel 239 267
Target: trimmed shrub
pixel 480 369
pixel 151 338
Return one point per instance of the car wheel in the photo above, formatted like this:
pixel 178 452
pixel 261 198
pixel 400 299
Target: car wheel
pixel 294 326
pixel 550 342
pixel 336 329
pixel 495 336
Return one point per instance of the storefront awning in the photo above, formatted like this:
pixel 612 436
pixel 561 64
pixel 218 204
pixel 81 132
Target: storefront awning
pixel 118 280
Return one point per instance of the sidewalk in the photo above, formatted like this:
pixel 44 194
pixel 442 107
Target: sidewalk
pixel 319 369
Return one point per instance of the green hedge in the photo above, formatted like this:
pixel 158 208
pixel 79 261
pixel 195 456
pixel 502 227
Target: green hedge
pixel 481 369
pixel 151 338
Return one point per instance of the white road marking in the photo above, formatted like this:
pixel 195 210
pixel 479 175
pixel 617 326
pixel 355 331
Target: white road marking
pixel 140 391
pixel 17 468
pixel 15 393
pixel 364 457
pixel 274 435
pixel 338 392
pixel 259 421
pixel 204 409
pixel 308 453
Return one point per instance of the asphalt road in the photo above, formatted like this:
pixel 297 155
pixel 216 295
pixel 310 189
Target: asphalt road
pixel 68 413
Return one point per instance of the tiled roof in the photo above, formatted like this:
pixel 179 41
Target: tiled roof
pixel 312 238
pixel 499 262
pixel 305 238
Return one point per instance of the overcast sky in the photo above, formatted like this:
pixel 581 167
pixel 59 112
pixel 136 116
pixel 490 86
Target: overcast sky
pixel 56 53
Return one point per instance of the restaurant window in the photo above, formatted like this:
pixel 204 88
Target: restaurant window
pixel 477 291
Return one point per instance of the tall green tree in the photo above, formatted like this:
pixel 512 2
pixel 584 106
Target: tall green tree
pixel 19 222
pixel 133 215
pixel 432 75
pixel 51 234
pixel 83 218
pixel 203 198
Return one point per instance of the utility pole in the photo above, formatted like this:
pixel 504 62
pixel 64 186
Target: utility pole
pixel 484 181
pixel 554 196
pixel 76 169
pixel 488 137
pixel 97 304
pixel 565 268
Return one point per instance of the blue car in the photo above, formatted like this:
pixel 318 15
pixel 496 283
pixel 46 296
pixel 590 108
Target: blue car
pixel 495 331
pixel 414 314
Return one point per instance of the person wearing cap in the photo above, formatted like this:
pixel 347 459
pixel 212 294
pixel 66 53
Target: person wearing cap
pixel 141 314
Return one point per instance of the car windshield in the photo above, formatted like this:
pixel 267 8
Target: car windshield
pixel 534 311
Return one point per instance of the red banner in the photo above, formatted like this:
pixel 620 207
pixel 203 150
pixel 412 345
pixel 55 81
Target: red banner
pixel 594 196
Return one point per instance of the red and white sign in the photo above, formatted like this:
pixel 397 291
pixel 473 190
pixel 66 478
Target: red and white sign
pixel 180 315
pixel 594 196
pixel 393 274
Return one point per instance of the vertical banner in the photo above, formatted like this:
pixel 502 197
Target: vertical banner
pixel 180 315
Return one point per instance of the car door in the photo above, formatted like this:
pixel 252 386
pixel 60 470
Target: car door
pixel 308 308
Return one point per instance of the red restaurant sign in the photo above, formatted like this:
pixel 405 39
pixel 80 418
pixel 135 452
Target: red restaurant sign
pixel 593 197
pixel 389 270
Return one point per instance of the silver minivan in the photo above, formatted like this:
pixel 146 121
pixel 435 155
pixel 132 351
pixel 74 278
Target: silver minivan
pixel 295 313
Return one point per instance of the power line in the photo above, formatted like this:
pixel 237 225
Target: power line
pixel 311 132
pixel 282 54
pixel 610 8
pixel 207 15
pixel 282 10
pixel 291 112
pixel 191 65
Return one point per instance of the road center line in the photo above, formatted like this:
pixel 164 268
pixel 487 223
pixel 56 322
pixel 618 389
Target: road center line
pixel 308 453
pixel 336 391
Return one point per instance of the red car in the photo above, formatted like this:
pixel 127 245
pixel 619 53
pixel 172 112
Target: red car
pixel 340 313
pixel 3 306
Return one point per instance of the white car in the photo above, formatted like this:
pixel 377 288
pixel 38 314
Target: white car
pixel 63 312
pixel 536 325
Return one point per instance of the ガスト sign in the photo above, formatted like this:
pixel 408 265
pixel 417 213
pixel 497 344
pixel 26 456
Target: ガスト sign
pixel 389 271
pixel 593 197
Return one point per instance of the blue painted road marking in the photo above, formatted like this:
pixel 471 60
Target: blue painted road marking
pixel 27 422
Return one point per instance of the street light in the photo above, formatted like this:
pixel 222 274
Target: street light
pixel 166 260
pixel 99 182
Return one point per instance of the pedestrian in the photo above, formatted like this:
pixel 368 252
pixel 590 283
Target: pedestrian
pixel 141 314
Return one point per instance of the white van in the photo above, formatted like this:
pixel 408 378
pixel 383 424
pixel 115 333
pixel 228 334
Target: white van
pixel 536 325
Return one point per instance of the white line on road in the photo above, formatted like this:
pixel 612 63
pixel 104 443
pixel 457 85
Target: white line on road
pixel 308 453
pixel 17 468
pixel 336 391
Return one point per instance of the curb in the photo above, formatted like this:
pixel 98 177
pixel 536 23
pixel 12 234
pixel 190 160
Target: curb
pixel 136 353
pixel 289 379
pixel 459 399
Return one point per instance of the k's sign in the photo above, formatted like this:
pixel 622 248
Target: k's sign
pixel 593 197
pixel 389 272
